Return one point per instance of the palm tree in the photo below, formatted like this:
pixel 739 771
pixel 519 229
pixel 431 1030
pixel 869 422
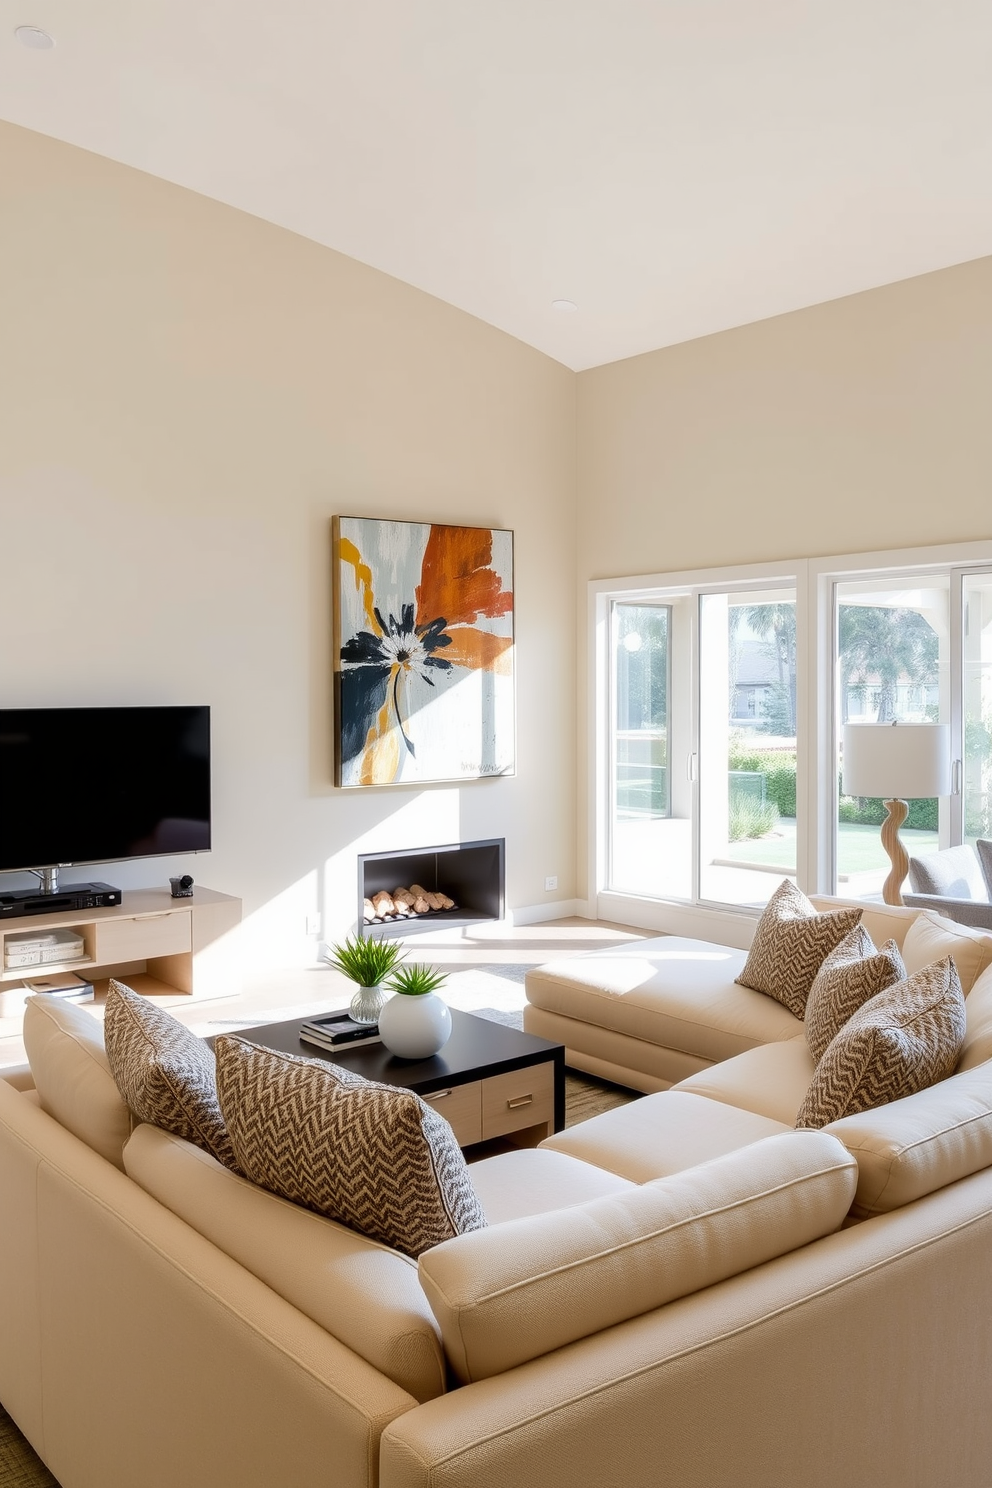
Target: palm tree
pixel 882 645
pixel 776 624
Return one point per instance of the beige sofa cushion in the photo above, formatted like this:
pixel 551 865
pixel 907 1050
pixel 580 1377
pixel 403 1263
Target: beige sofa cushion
pixel 533 1180
pixel 903 1040
pixel 519 1290
pixel 789 946
pixel 165 1073
pixel 921 1143
pixel 672 992
pixel 977 1046
pixel 931 937
pixel 852 973
pixel 72 1075
pixel 662 1134
pixel 771 1081
pixel 363 1293
pixel 372 1156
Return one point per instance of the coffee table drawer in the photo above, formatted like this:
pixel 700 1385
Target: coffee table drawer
pixel 141 936
pixel 523 1098
pixel 461 1106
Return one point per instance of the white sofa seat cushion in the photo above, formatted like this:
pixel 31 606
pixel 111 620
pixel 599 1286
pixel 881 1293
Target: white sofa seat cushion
pixel 677 993
pixel 771 1081
pixel 662 1134
pixel 363 1293
pixel 534 1181
pixel 513 1292
pixel 921 1143
pixel 72 1075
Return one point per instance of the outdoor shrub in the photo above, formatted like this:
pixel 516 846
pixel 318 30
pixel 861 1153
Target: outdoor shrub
pixel 750 817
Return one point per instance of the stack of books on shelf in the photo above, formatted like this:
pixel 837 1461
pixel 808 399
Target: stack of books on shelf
pixel 337 1032
pixel 62 984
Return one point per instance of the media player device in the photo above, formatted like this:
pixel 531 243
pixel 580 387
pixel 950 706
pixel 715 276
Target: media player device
pixel 75 896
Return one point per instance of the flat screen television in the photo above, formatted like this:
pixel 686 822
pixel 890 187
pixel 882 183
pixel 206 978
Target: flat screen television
pixel 102 785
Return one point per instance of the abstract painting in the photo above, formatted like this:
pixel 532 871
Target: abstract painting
pixel 423 652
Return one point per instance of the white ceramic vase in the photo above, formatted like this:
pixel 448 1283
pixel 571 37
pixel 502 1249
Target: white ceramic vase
pixel 368 1003
pixel 415 1026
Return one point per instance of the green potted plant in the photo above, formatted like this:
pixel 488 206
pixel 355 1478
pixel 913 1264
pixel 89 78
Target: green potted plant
pixel 368 962
pixel 414 1022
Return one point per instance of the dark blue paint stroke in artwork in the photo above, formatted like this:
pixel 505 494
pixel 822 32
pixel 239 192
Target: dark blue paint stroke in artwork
pixel 363 692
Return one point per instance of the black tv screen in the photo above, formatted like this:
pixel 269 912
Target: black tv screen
pixel 99 785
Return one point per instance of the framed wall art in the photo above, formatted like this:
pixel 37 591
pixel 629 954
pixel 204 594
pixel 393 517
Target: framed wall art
pixel 423 652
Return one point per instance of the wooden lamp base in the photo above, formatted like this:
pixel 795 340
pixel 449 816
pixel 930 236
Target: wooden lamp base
pixel 892 888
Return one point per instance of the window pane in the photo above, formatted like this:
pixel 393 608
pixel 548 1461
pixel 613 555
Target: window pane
pixel 977 649
pixel 650 844
pixel 747 744
pixel 892 666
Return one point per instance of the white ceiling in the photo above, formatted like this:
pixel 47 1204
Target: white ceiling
pixel 675 167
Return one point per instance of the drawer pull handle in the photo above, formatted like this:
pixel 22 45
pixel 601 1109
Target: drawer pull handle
pixel 437 1095
pixel 518 1101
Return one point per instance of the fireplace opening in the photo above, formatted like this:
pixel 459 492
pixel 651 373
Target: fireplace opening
pixel 471 874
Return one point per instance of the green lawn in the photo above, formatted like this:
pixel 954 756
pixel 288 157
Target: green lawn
pixel 859 849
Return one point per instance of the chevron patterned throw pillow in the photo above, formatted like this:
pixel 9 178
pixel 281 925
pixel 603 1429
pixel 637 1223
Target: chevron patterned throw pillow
pixel 905 1039
pixel 852 973
pixel 371 1156
pixel 166 1074
pixel 790 944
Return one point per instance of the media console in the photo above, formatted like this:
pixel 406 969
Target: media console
pixel 159 945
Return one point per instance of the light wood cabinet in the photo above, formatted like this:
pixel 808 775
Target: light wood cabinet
pixel 159 945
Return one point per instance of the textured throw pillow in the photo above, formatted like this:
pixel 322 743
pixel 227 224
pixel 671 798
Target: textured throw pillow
pixel 902 1041
pixel 790 945
pixel 371 1156
pixel 852 973
pixel 165 1073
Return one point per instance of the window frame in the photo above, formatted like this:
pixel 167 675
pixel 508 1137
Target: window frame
pixel 814 580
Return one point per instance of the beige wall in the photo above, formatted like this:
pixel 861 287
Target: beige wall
pixel 187 395
pixel 857 425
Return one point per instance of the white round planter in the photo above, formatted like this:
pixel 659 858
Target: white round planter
pixel 414 1027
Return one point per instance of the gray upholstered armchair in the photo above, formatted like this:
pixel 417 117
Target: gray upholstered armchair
pixel 955 881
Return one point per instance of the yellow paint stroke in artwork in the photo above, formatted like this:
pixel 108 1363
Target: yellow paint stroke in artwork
pixel 381 760
pixel 363 581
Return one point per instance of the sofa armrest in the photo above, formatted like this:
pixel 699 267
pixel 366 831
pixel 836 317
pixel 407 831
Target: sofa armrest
pixel 713 1391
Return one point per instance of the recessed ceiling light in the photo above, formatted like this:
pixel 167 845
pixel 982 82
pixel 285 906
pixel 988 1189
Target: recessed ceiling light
pixel 35 38
pixel 566 305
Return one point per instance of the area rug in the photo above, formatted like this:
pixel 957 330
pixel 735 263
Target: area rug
pixel 19 1467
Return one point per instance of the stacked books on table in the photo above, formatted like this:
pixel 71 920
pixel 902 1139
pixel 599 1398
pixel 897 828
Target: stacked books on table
pixel 65 985
pixel 337 1032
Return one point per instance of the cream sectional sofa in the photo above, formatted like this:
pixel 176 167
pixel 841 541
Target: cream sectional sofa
pixel 682 1291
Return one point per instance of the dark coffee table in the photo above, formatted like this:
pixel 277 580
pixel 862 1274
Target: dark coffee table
pixel 488 1080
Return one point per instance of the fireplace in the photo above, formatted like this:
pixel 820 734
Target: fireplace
pixel 470 873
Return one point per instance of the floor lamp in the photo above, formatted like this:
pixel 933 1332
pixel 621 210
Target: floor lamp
pixel 896 762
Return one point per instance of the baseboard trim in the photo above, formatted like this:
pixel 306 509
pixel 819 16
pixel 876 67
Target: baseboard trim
pixel 539 914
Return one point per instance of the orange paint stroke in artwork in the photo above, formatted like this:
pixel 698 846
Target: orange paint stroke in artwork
pixel 457 581
pixel 480 650
pixel 363 581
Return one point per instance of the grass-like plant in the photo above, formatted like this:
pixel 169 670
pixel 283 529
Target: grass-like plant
pixel 416 979
pixel 366 960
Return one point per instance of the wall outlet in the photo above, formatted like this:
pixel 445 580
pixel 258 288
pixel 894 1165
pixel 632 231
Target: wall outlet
pixel 313 923
pixel 551 882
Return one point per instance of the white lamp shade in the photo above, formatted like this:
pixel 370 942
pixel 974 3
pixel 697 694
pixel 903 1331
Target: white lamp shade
pixel 905 761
